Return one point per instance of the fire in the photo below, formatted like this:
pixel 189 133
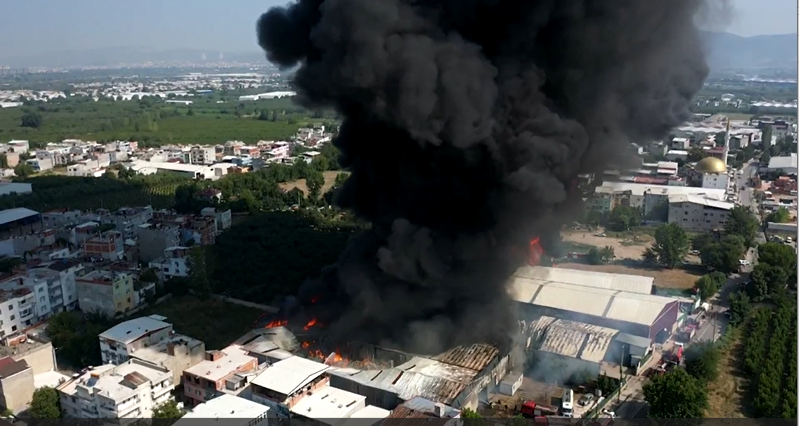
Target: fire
pixel 276 323
pixel 315 299
pixel 306 345
pixel 317 354
pixel 535 252
pixel 310 324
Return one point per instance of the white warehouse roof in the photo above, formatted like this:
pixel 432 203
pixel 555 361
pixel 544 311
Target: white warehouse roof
pixel 289 375
pixel 640 189
pixel 602 280
pixel 702 201
pixel 785 162
pixel 633 308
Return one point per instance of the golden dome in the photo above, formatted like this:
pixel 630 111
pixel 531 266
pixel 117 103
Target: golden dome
pixel 711 165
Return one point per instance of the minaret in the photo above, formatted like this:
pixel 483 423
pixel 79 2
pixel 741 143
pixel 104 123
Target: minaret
pixel 726 143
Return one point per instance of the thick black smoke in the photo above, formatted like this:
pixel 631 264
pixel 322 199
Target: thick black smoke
pixel 465 124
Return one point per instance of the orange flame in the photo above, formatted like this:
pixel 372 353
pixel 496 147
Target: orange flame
pixel 310 324
pixel 276 323
pixel 306 345
pixel 535 252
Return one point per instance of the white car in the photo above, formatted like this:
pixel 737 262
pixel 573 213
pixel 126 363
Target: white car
pixel 744 262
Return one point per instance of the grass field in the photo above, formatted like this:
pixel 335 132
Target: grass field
pixel 725 393
pixel 215 322
pixel 157 123
pixel 330 178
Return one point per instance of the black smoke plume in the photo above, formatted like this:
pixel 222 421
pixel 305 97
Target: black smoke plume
pixel 465 124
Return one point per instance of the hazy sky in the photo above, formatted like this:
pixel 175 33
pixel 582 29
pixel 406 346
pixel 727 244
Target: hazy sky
pixel 41 26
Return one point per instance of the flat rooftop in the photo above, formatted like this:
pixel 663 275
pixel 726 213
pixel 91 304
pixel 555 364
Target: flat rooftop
pixel 117 382
pixel 132 330
pixel 225 407
pixel 22 349
pixel 328 403
pixel 157 354
pixel 289 375
pixel 232 360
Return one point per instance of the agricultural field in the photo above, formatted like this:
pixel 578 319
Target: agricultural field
pixel 769 361
pixel 153 122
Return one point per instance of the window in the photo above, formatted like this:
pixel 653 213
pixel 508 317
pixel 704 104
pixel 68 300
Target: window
pixel 41 299
pixel 10 307
pixel 13 328
pixel 128 299
pixel 13 317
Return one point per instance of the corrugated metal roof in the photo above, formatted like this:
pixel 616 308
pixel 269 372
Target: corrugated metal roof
pixel 634 308
pixel 474 357
pixel 574 339
pixel 12 215
pixel 619 282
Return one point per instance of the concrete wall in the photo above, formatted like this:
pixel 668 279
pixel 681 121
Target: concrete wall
pixel 95 297
pixel 16 392
pixel 40 358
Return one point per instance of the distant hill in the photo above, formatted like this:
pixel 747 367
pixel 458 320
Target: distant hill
pixel 127 55
pixel 728 51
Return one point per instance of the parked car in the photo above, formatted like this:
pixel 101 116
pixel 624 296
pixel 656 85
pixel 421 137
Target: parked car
pixel 586 399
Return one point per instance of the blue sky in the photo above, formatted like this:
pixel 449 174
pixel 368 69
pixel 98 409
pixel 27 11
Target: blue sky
pixel 41 26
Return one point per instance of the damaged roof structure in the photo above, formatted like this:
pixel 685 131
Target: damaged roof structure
pixel 452 378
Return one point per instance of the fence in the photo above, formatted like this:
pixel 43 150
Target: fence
pixel 266 308
pixel 594 412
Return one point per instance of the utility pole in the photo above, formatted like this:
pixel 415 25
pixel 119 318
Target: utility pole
pixel 621 374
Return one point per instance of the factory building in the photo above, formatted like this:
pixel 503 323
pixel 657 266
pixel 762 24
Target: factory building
pixel 617 303
pixel 460 378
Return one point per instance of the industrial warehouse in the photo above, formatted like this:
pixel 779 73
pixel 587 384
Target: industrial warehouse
pixel 572 324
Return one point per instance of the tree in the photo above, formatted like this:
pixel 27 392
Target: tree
pixel 624 218
pixel 707 286
pixel 168 410
pixel 766 279
pixel 702 360
pixel 743 223
pixel 723 256
pixel 671 244
pixel 315 181
pixel 766 138
pixel 676 395
pixel 600 256
pixel 780 216
pixel 740 307
pixel 45 404
pixel 695 154
pixel 32 120
pixel 776 254
pixel 701 241
pixel 264 115
pixel 765 157
pixel 199 272
pixel 23 170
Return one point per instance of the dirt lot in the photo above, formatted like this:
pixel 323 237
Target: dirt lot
pixel 631 249
pixel 330 177
pixel 628 248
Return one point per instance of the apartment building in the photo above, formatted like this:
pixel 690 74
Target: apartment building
pixel 127 219
pixel 175 353
pixel 234 410
pixel 23 244
pixel 109 245
pixel 284 384
pixel 110 292
pixel 119 342
pixel 203 155
pixel 60 277
pixel 60 218
pixel 23 303
pixel 224 219
pixel 80 233
pixel 174 263
pixel 698 214
pixel 198 230
pixel 127 392
pixel 155 237
pixel 207 379
pixel 41 164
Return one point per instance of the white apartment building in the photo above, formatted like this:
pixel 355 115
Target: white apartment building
pixel 234 410
pixel 697 213
pixel 119 342
pixel 204 155
pixel 174 263
pixel 279 150
pixel 680 143
pixel 128 392
pixel 60 278
pixel 715 180
pixel 23 303
pixel 41 164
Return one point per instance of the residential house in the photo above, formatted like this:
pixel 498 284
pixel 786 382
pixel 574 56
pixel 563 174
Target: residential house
pixel 224 219
pixel 127 392
pixel 174 263
pixel 60 218
pixel 109 246
pixel 207 379
pixel 155 237
pixel 108 292
pixel 119 342
pixel 127 219
pixel 16 384
pixel 23 303
pixel 284 384
pixel 327 406
pixel 203 155
pixel 83 232
pixel 60 277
